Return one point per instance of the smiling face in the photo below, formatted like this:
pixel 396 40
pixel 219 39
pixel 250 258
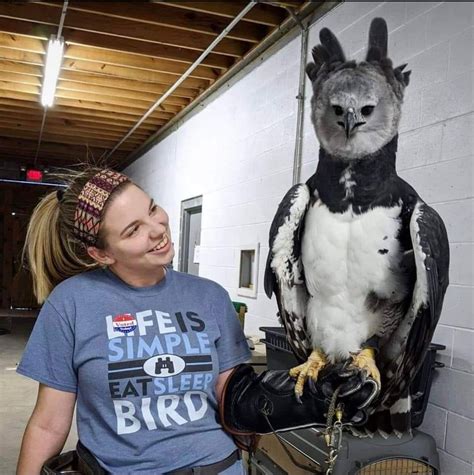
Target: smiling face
pixel 355 112
pixel 137 238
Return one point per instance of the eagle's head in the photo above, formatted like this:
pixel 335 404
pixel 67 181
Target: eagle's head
pixel 356 107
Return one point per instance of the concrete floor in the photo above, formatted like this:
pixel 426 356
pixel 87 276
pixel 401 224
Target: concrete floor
pixel 17 394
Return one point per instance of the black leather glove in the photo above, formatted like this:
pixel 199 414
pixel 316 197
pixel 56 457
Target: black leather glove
pixel 356 391
pixel 265 403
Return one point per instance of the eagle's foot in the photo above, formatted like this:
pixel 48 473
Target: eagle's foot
pixel 316 361
pixel 365 361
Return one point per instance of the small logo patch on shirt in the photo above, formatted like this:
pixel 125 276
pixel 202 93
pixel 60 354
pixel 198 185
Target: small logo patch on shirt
pixel 124 323
pixel 164 365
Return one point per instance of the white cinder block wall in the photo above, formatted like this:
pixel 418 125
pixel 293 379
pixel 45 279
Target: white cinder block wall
pixel 238 154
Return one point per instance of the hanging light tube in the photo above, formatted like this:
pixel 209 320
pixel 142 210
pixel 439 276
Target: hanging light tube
pixel 54 59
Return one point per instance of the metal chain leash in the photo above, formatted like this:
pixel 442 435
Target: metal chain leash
pixel 266 412
pixel 333 432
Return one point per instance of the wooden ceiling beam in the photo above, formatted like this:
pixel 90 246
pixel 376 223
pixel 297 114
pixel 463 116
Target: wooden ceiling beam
pixel 131 73
pixel 61 139
pixel 23 83
pixel 99 55
pixel 119 84
pixel 39 13
pixel 11 143
pixel 69 128
pixel 126 84
pixel 70 138
pixel 22 43
pixel 71 118
pixel 103 56
pixel 79 104
pixel 87 130
pixel 19 119
pixel 20 78
pixel 124 45
pixel 146 48
pixel 89 135
pixel 261 13
pixel 21 56
pixel 35 60
pixel 20 68
pixel 103 91
pixel 29 108
pixel 163 15
pixel 139 105
pixel 20 88
pixel 23 102
pixel 142 105
pixel 62 126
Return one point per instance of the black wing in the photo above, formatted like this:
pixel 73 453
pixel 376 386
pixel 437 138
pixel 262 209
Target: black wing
pixel 284 271
pixel 405 352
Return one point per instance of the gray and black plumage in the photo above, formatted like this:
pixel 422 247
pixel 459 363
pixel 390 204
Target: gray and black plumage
pixel 357 259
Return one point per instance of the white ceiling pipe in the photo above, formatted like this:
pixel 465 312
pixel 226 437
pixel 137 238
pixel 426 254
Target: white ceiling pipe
pixel 314 9
pixel 198 61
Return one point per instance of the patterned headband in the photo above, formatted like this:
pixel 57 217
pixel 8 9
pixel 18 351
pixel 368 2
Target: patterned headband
pixel 91 202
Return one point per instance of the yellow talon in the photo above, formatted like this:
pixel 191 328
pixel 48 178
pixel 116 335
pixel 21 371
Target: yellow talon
pixel 316 361
pixel 365 360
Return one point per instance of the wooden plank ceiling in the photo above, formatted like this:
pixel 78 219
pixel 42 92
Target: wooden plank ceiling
pixel 120 57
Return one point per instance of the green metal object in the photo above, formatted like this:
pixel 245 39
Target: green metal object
pixel 241 309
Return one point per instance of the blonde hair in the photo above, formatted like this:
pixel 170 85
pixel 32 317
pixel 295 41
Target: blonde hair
pixel 52 251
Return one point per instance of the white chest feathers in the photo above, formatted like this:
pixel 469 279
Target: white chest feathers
pixel 346 257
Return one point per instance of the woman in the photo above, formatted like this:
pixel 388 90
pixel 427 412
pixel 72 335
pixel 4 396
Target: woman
pixel 144 351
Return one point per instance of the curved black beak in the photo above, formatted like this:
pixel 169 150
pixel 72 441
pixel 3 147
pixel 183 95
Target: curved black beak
pixel 349 122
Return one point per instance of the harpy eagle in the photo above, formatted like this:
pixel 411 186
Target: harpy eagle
pixel 358 262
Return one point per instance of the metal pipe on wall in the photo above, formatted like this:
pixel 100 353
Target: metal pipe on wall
pixel 301 100
pixel 301 97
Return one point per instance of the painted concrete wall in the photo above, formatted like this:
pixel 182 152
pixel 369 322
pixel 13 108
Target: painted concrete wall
pixel 238 154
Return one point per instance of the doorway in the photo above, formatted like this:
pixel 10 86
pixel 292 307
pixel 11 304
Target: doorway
pixel 190 239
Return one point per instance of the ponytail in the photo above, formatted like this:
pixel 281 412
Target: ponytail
pixel 52 257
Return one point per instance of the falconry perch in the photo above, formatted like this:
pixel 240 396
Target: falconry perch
pixel 358 262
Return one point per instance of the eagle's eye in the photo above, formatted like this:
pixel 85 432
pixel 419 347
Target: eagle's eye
pixel 338 110
pixel 367 110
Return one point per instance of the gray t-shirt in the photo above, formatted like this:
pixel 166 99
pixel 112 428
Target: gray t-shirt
pixel 143 362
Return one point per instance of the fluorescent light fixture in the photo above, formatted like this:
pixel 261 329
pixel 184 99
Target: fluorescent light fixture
pixel 54 59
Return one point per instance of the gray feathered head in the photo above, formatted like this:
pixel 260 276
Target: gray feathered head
pixel 356 107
